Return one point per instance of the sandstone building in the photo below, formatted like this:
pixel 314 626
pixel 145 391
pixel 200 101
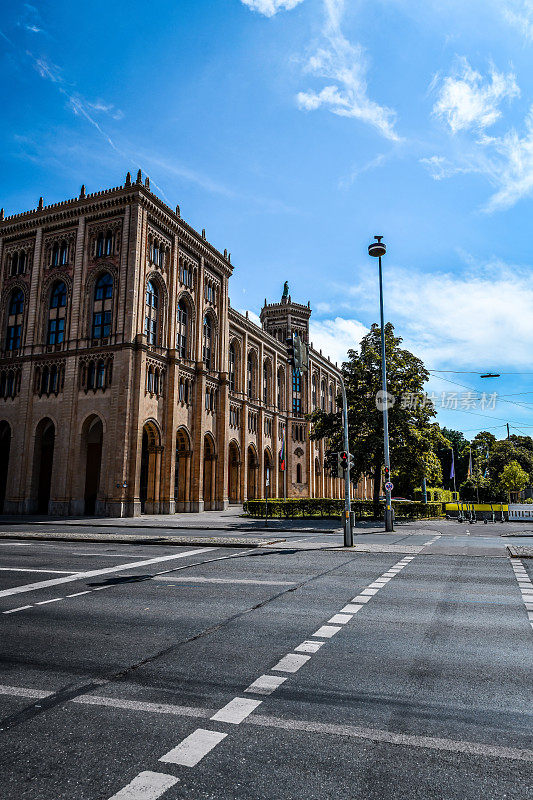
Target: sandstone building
pixel 128 384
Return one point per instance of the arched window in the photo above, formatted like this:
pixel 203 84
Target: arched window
pixel 155 252
pixel 208 342
pixel 14 263
pixel 266 382
pixel 57 313
pixel 91 375
pixel 63 253
pixel 182 329
pixel 251 376
pixel 298 473
pixel 100 375
pixel 162 258
pixel 102 306
pixel 152 313
pixel 323 396
pixel 100 244
pixel 108 246
pixel 14 322
pixel 53 379
pixel 232 364
pixel 313 392
pixel 55 255
pixel 22 262
pixel 181 391
pixel 45 378
pixel 331 399
pixel 281 383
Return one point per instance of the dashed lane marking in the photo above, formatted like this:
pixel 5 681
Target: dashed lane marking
pixel 47 571
pixel 45 602
pixel 326 631
pixel 340 619
pixel 291 663
pixel 266 684
pixel 236 710
pixel 308 647
pixel 192 749
pixel 146 786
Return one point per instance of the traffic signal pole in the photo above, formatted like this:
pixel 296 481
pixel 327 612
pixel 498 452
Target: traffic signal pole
pixel 388 501
pixel 348 533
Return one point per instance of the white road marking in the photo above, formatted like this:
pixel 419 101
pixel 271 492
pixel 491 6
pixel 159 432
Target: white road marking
pixel 77 576
pixel 308 647
pixel 266 684
pixel 77 594
pixel 146 786
pixel 138 705
pixel 291 662
pixel 340 619
pixel 19 691
pixel 351 608
pixel 48 571
pixel 327 631
pixel 192 749
pixel 14 610
pixel 360 599
pixel 201 579
pixel 236 710
pixel 369 592
pixel 53 600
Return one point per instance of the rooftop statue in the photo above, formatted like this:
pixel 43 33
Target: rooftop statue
pixel 285 290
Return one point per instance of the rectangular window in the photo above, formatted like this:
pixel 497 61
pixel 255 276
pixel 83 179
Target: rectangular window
pixel 296 405
pixel 56 331
pixel 97 325
pixel 295 381
pixel 13 337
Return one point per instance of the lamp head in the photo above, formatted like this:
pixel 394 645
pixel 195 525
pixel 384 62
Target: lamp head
pixel 377 248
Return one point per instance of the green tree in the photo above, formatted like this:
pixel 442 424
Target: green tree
pixel 412 436
pixel 504 453
pixel 456 440
pixel 513 478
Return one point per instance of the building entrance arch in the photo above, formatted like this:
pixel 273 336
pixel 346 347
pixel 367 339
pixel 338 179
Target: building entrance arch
pixel 43 464
pixel 150 474
pixel 234 473
pixel 253 467
pixel 209 474
pixel 5 447
pixel 93 436
pixel 182 477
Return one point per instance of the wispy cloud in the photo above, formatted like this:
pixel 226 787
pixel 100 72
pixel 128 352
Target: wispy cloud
pixel 374 163
pixel 345 64
pixel 519 13
pixel 271 7
pixel 466 100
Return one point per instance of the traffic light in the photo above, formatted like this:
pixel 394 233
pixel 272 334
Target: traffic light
pixel 343 461
pixel 331 465
pixel 387 475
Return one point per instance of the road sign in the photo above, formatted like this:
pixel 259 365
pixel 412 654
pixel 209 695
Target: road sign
pixel 389 487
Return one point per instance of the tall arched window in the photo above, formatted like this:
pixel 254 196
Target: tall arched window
pixel 323 396
pixel 108 246
pixel 250 375
pixel 14 320
pixel 100 245
pixel 55 255
pixel 281 385
pixel 63 253
pixel 152 313
pixel 208 342
pixel 266 382
pixel 232 365
pixel 298 473
pixel 182 329
pixel 57 313
pixel 313 392
pixel 102 306
pixel 331 399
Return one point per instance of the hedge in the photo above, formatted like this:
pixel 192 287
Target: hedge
pixel 324 507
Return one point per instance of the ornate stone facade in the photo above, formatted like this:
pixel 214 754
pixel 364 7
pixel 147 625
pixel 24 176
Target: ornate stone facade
pixel 127 382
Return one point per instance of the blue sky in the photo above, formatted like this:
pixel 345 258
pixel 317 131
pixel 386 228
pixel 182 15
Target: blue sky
pixel 293 131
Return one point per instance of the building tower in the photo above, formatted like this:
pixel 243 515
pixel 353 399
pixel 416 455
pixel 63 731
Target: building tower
pixel 285 318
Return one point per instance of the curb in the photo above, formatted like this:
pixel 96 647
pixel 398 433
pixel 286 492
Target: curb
pixel 203 541
pixel 164 527
pixel 519 551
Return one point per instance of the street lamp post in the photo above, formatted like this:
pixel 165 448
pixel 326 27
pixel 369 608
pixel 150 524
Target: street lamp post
pixel 378 249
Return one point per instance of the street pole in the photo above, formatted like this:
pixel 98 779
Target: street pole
pixel 348 533
pixel 378 249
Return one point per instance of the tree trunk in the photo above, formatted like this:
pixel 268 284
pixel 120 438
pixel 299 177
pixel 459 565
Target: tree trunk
pixel 377 488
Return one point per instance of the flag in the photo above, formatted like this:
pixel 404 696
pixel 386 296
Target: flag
pixel 282 453
pixel 452 470
pixel 470 470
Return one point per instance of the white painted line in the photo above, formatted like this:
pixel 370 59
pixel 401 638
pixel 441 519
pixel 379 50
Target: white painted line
pixel 351 608
pixel 308 647
pixel 53 600
pixel 378 584
pixel 327 631
pixel 236 710
pixel 56 571
pixel 14 610
pixel 369 592
pixel 78 594
pixel 78 576
pixel 292 662
pixel 237 581
pixel 146 786
pixel 136 705
pixel 360 599
pixel 340 619
pixel 19 691
pixel 266 684
pixel 99 588
pixel 192 749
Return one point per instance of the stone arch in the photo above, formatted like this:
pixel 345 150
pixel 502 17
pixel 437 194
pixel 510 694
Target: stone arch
pixel 266 378
pixel 92 439
pixel 252 361
pixel 5 447
pixel 150 471
pixel 186 298
pixel 234 472
pixel 210 315
pixel 209 472
pixel 252 463
pixel 89 296
pixel 235 380
pixel 182 478
pixel 43 465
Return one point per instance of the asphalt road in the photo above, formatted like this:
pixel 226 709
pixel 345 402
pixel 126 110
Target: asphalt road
pixel 135 672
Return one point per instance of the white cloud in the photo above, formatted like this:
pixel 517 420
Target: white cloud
pixel 440 167
pixel 512 168
pixel 271 7
pixel 466 100
pixel 519 13
pixel 336 336
pixel 346 65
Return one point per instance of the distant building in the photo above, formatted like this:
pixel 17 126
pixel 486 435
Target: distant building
pixel 127 382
